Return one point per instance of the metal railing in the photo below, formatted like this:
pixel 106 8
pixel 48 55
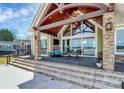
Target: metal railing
pixel 6 57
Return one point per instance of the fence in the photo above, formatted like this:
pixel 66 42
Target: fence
pixel 6 57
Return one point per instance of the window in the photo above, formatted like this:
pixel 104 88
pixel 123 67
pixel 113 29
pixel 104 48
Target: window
pixel 89 46
pixel 84 28
pixel 76 43
pixel 76 46
pixel 44 46
pixel 14 46
pixel 119 43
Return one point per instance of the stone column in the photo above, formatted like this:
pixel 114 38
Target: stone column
pixel 108 41
pixel 37 45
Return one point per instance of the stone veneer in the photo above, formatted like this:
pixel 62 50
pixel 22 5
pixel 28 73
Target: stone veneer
pixel 37 45
pixel 108 42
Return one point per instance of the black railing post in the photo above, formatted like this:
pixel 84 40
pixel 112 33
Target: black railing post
pixel 9 56
pixel 7 59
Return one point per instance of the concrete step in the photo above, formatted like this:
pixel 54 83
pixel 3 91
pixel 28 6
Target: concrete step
pixel 77 81
pixel 78 74
pixel 88 70
pixel 99 82
pixel 56 75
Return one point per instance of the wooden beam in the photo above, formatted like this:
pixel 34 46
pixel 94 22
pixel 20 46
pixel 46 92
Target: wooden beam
pixel 78 26
pixel 92 20
pixel 51 33
pixel 72 20
pixel 60 7
pixel 68 6
pixel 45 12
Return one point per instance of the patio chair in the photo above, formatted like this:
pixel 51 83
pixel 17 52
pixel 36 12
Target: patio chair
pixel 55 53
pixel 69 53
pixel 78 52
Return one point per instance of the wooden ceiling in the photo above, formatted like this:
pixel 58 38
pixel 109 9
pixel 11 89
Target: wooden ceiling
pixel 66 13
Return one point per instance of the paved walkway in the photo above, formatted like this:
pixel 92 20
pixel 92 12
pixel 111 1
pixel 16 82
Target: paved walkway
pixel 13 78
pixel 41 81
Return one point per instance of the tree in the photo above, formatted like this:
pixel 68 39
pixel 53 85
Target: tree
pixel 6 35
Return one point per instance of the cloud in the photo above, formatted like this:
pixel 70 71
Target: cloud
pixel 8 13
pixel 18 17
pixel 5 14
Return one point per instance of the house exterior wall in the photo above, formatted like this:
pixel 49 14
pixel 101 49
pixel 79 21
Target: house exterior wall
pixel 6 46
pixel 119 22
pixel 50 45
pixel 32 44
pixel 99 40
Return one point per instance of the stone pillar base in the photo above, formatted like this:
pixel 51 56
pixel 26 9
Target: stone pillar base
pixel 108 41
pixel 108 64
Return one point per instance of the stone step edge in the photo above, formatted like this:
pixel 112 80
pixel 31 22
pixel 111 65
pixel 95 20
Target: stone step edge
pixel 96 71
pixel 42 72
pixel 89 79
pixel 78 83
pixel 83 67
pixel 98 78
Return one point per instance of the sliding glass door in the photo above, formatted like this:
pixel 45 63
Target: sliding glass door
pixel 76 46
pixel 80 46
pixel 89 46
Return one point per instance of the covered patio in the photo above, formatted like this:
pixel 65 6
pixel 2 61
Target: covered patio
pixel 56 16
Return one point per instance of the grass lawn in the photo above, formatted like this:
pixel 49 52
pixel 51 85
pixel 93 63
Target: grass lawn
pixel 3 59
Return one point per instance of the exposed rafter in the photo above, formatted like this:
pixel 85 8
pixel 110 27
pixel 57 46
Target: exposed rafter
pixel 78 26
pixel 60 5
pixel 68 6
pixel 72 20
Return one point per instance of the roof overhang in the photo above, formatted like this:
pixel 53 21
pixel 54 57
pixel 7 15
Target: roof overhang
pixel 53 25
pixel 39 15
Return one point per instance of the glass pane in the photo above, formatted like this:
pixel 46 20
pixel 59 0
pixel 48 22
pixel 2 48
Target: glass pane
pixel 76 46
pixel 44 43
pixel 44 46
pixel 83 29
pixel 76 43
pixel 89 46
pixel 66 46
pixel 120 41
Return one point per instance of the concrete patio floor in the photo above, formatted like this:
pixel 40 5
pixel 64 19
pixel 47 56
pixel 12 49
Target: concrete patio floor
pixel 15 78
pixel 81 61
pixel 11 77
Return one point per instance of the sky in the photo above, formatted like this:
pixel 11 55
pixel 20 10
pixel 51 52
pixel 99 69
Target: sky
pixel 18 17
